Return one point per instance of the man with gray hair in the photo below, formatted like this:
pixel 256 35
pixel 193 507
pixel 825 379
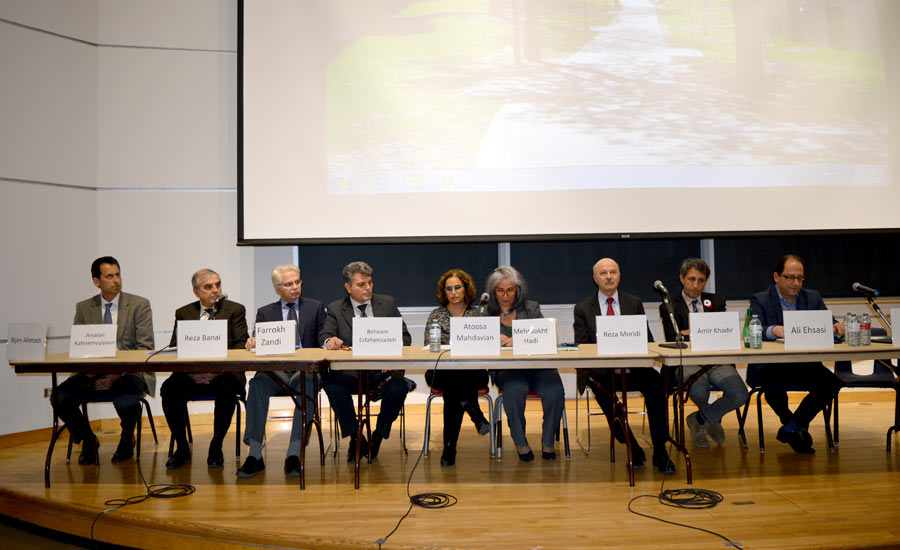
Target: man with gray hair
pixel 309 316
pixel 338 334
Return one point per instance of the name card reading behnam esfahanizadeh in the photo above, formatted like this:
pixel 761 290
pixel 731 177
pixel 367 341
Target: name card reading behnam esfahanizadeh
pixel 199 339
pixel 534 336
pixel 276 337
pixel 92 341
pixel 808 329
pixel 618 334
pixel 378 336
pixel 474 336
pixel 714 331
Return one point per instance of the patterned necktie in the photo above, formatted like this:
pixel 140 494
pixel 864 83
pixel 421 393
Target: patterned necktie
pixel 362 310
pixel 107 315
pixel 609 308
pixel 292 316
pixel 694 305
pixel 208 312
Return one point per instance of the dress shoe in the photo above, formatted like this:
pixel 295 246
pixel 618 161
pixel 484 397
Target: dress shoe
pixel 662 463
pixel 351 449
pixel 800 443
pixel 548 455
pixel 251 467
pixel 292 466
pixel 376 446
pixel 178 459
pixel 715 431
pixel 89 454
pixel 124 451
pixel 215 458
pixel 483 426
pixel 638 457
pixel 527 457
pixel 698 430
pixel 448 457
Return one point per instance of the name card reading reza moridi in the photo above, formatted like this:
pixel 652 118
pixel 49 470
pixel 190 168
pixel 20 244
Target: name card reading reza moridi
pixel 26 342
pixel 714 331
pixel 621 334
pixel 474 336
pixel 92 341
pixel 275 338
pixel 534 336
pixel 378 336
pixel 198 339
pixel 808 329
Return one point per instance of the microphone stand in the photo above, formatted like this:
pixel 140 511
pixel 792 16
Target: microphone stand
pixel 679 338
pixel 877 309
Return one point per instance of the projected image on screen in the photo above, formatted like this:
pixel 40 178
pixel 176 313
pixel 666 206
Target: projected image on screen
pixel 493 95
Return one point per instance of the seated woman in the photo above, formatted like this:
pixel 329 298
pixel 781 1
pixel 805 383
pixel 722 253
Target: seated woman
pixel 456 292
pixel 509 299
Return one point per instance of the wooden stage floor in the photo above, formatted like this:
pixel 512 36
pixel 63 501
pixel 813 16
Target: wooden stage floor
pixel 846 499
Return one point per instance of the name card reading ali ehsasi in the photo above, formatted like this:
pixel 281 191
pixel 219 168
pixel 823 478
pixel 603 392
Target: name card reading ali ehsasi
pixel 474 336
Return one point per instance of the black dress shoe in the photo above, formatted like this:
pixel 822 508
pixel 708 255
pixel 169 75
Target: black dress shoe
pixel 292 466
pixel 638 457
pixel 178 459
pixel 89 454
pixel 796 439
pixel 351 449
pixel 548 455
pixel 448 457
pixel 251 467
pixel 376 446
pixel 124 451
pixel 483 427
pixel 662 463
pixel 215 458
pixel 527 457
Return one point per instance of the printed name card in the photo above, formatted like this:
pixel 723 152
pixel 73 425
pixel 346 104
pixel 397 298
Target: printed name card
pixel 808 330
pixel 378 336
pixel 27 342
pixel 474 336
pixel 621 334
pixel 276 338
pixel 720 330
pixel 197 339
pixel 534 336
pixel 92 341
pixel 895 334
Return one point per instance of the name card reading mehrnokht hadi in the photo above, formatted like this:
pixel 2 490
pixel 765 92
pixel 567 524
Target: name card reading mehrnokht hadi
pixel 621 334
pixel 534 336
pixel 198 339
pixel 92 341
pixel 26 342
pixel 378 336
pixel 719 330
pixel 276 338
pixel 808 329
pixel 470 336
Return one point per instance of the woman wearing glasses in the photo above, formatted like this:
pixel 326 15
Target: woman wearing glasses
pixel 456 292
pixel 509 300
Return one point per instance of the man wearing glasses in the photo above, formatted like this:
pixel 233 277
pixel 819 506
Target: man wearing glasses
pixel 788 294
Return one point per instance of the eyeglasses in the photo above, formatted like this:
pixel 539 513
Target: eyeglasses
pixel 509 291
pixel 452 288
pixel 798 278
pixel 291 284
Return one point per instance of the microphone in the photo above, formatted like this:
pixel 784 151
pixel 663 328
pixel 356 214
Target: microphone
pixel 862 289
pixel 482 303
pixel 660 288
pixel 219 300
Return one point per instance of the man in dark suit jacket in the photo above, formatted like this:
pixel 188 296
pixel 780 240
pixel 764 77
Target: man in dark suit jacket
pixel 309 315
pixel 693 275
pixel 341 385
pixel 226 387
pixel 134 322
pixel 646 380
pixel 788 294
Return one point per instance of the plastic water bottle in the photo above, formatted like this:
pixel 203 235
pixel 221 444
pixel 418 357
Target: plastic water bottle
pixel 747 328
pixel 853 331
pixel 756 330
pixel 865 330
pixel 434 338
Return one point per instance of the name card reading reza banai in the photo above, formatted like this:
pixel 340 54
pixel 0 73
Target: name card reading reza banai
pixel 275 337
pixel 534 336
pixel 26 342
pixel 202 339
pixel 92 341
pixel 714 331
pixel 474 336
pixel 378 336
pixel 621 334
pixel 808 329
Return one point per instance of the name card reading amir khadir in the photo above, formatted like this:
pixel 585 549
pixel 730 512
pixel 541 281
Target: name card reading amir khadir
pixel 92 341
pixel 378 336
pixel 26 342
pixel 714 331
pixel 199 339
pixel 621 334
pixel 534 336
pixel 474 336
pixel 808 329
pixel 275 338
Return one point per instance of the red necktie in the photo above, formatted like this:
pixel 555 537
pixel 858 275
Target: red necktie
pixel 609 308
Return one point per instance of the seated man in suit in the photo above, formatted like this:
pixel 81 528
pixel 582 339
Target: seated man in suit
pixel 788 294
pixel 337 334
pixel 180 386
pixel 309 315
pixel 693 275
pixel 646 380
pixel 134 330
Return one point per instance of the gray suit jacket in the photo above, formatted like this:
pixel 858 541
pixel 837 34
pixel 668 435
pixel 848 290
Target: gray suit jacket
pixel 134 328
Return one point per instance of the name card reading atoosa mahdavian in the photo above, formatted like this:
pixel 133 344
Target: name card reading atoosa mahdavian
pixel 719 330
pixel 621 334
pixel 474 336
pixel 202 339
pixel 808 329
pixel 276 337
pixel 379 336
pixel 26 342
pixel 92 341
pixel 534 336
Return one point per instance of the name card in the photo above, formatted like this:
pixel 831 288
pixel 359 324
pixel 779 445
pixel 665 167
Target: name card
pixel 378 336
pixel 895 334
pixel 27 342
pixel 808 330
pixel 719 330
pixel 621 334
pixel 534 336
pixel 198 339
pixel 92 341
pixel 276 338
pixel 474 336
